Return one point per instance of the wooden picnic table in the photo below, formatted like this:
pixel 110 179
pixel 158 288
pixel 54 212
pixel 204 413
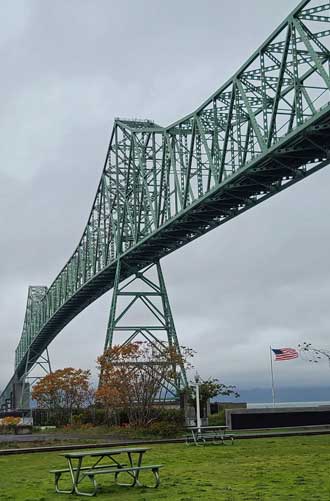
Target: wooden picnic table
pixel 205 433
pixel 132 466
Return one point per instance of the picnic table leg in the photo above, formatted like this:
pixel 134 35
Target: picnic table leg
pixel 157 479
pixel 57 489
pixel 75 479
pixel 223 437
pixel 134 475
pixel 195 437
pixel 137 473
pixel 74 475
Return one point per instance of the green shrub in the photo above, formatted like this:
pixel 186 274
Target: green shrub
pixel 217 419
pixel 175 416
pixel 163 429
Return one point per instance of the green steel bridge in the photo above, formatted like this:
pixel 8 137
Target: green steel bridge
pixel 265 129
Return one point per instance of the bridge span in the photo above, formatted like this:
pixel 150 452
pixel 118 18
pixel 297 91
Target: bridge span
pixel 265 129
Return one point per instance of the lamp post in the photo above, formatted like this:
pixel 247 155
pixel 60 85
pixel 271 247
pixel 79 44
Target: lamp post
pixel 198 406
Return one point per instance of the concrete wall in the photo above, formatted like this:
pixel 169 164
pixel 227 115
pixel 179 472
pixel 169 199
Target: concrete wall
pixel 276 418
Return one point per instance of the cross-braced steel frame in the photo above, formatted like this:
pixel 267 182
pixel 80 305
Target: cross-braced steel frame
pixel 265 129
pixel 155 326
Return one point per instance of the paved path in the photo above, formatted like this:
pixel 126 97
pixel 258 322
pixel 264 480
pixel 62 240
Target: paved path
pixel 108 441
pixel 49 437
pixel 53 437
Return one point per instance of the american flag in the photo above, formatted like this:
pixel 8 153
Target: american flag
pixel 285 353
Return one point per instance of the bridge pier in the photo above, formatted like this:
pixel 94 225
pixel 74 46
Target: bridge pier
pixel 144 297
pixel 17 394
pixel 21 395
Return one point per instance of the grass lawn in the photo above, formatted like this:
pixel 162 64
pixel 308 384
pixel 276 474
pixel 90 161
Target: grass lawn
pixel 293 468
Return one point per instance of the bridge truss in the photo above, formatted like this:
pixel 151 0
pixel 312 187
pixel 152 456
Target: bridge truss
pixel 265 129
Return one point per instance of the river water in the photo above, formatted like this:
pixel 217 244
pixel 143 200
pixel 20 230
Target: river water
pixel 252 405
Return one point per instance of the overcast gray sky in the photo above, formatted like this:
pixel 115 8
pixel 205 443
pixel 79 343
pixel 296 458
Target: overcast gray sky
pixel 67 69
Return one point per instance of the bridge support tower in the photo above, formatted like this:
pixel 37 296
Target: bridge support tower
pixel 21 393
pixel 140 311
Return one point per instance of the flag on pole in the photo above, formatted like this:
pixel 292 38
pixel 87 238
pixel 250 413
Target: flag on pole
pixel 285 353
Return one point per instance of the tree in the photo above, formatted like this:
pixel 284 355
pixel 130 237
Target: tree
pixel 134 376
pixel 65 389
pixel 210 388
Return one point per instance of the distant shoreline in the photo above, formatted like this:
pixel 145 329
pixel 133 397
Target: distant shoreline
pixel 258 405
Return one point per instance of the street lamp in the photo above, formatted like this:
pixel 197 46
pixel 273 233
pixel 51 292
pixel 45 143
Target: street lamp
pixel 198 406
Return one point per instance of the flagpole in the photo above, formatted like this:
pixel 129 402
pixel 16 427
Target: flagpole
pixel 272 373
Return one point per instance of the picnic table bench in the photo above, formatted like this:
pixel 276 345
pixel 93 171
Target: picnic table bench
pixel 203 434
pixel 114 466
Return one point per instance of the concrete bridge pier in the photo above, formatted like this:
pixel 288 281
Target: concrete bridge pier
pixel 21 395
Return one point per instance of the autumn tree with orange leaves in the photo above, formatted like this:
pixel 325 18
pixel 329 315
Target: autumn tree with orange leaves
pixel 132 377
pixel 66 389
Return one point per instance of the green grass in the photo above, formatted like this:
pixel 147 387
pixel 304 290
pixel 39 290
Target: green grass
pixel 293 468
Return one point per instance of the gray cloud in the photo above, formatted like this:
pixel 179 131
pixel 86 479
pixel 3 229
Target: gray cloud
pixel 69 68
